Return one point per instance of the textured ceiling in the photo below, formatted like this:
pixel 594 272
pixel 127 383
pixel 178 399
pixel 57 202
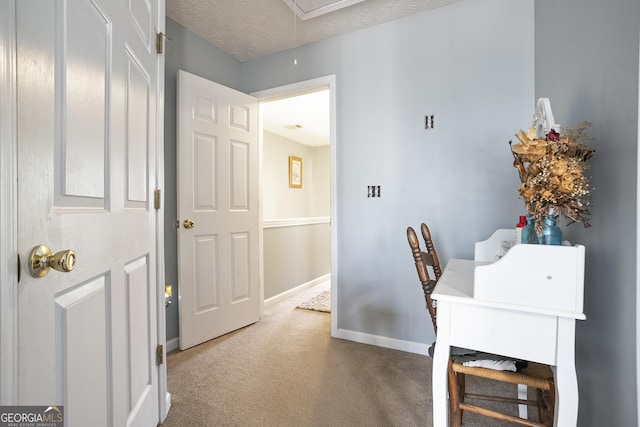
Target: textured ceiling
pixel 248 29
pixel 304 118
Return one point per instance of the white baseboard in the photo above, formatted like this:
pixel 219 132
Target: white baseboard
pixel 168 406
pixel 173 344
pixel 386 342
pixel 283 296
pixel 295 222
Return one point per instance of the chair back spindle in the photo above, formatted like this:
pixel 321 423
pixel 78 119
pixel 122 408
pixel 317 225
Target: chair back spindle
pixel 431 251
pixel 422 261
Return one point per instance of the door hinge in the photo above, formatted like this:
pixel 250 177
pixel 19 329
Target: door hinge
pixel 160 354
pixel 157 198
pixel 160 38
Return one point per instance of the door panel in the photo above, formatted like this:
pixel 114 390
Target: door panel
pixel 83 358
pixel 137 140
pixel 87 167
pixel 240 266
pixel 240 175
pixel 205 153
pixel 217 189
pixel 207 295
pixel 138 290
pixel 82 68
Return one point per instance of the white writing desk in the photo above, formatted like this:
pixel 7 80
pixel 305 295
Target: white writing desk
pixel 523 306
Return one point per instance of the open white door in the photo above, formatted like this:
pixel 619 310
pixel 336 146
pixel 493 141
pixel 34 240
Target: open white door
pixel 218 265
pixel 86 167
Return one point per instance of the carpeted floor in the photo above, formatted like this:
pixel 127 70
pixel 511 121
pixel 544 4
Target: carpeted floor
pixel 286 370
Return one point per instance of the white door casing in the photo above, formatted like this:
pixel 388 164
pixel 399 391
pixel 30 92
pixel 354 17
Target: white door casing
pixel 218 259
pixel 87 169
pixel 8 208
pixel 299 88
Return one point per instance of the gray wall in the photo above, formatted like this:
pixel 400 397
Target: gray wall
pixel 587 64
pixel 471 65
pixel 190 53
pixel 294 256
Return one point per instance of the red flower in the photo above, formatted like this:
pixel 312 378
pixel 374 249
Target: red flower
pixel 553 135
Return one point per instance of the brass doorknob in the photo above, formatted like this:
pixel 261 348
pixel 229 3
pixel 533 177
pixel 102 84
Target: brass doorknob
pixel 41 260
pixel 188 224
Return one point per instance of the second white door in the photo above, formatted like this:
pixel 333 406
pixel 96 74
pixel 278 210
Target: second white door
pixel 218 226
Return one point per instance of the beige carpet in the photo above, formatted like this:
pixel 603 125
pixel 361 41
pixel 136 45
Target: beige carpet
pixel 286 370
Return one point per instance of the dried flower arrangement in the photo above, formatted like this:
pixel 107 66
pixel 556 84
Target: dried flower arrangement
pixel 552 173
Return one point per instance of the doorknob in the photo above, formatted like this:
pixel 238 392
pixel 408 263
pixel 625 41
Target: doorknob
pixel 41 260
pixel 188 224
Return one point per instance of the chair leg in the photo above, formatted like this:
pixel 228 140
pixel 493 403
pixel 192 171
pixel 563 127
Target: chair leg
pixel 455 414
pixel 462 384
pixel 546 406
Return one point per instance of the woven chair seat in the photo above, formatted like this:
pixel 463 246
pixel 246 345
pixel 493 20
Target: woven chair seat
pixel 534 375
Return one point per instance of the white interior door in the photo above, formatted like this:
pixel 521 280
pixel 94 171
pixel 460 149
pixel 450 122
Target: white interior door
pixel 218 265
pixel 86 167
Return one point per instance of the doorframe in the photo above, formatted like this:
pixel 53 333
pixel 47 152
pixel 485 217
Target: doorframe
pixel 164 397
pixel 8 207
pixel 638 248
pixel 288 91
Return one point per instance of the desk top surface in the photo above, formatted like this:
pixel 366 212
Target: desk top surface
pixel 457 280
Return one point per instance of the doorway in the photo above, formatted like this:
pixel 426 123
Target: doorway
pixel 316 91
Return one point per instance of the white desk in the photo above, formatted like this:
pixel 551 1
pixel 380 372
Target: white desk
pixel 523 306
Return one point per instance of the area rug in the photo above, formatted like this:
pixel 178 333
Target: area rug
pixel 321 302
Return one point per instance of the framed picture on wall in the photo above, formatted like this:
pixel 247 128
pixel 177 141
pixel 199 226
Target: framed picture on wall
pixel 295 172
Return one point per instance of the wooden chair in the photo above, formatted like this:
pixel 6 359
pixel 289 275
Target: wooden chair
pixel 537 376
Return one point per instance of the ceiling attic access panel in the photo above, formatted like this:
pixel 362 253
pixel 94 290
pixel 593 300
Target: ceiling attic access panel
pixel 307 9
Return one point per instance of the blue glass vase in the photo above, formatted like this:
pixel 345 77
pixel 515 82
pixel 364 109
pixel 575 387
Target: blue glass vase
pixel 551 234
pixel 529 232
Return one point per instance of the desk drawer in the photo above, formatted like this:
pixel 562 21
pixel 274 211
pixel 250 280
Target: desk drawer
pixel 510 333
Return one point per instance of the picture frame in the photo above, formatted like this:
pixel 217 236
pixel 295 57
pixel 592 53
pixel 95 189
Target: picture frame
pixel 295 172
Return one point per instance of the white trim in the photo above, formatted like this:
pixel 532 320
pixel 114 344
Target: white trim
pixel 295 222
pixel 8 207
pixel 386 342
pixel 167 404
pixel 295 89
pixel 334 208
pixel 173 344
pixel 164 397
pixel 299 88
pixel 331 7
pixel 638 250
pixel 293 291
pixel 260 205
